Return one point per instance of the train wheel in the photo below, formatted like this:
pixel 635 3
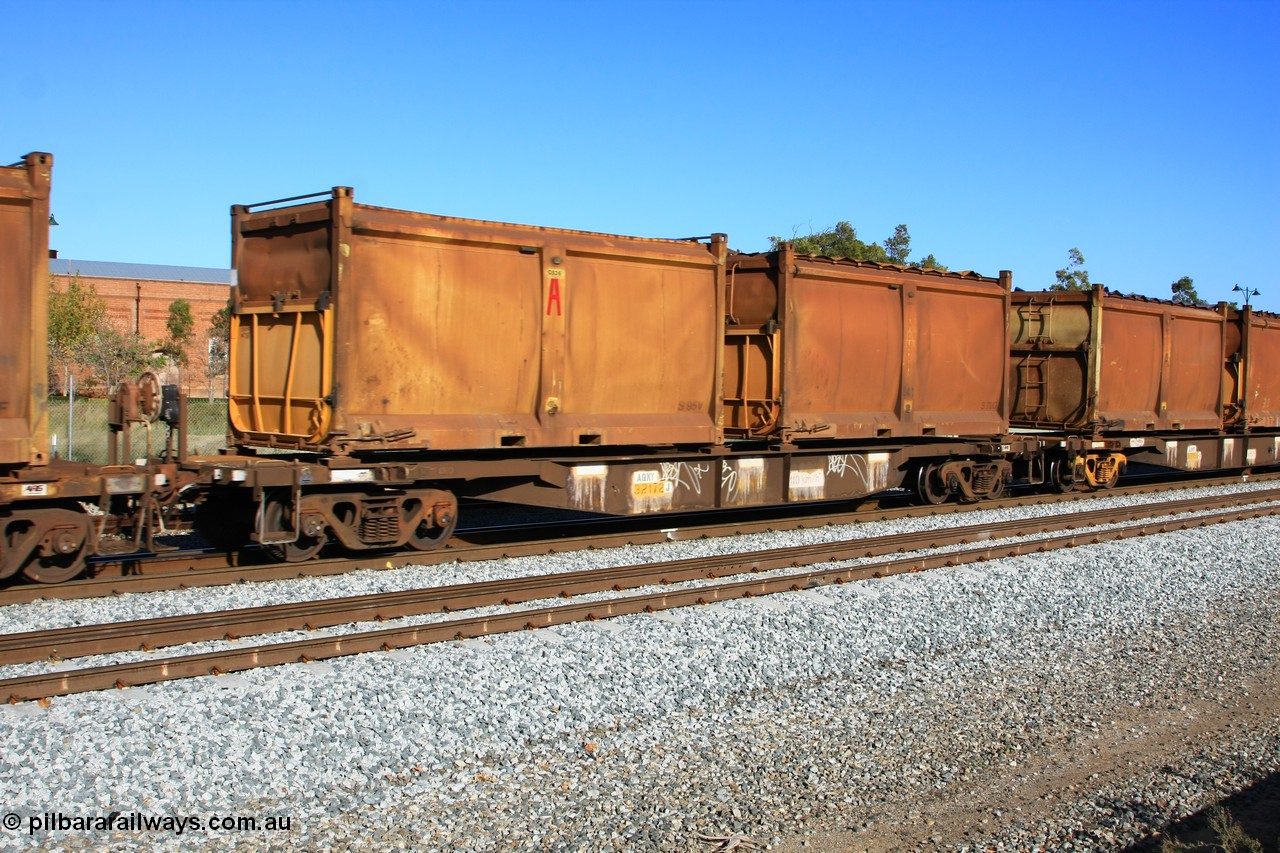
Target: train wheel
pixel 278 517
pixel 427 536
pixel 54 569
pixel 929 485
pixel 63 548
pixel 1063 476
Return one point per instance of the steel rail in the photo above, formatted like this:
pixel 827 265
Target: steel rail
pixel 149 634
pixel 143 672
pixel 217 570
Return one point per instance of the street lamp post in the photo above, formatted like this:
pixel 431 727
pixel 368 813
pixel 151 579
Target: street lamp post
pixel 1247 293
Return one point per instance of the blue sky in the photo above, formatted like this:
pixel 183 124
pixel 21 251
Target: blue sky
pixel 1002 134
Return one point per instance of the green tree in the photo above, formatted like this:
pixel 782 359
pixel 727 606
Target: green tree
pixel 181 329
pixel 1184 292
pixel 841 241
pixel 898 247
pixel 838 242
pixel 114 355
pixel 1074 276
pixel 219 334
pixel 75 315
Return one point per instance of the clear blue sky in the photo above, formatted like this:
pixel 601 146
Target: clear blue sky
pixel 1145 133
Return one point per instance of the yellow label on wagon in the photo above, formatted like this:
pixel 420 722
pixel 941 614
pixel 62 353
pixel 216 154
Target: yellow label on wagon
pixel 649 484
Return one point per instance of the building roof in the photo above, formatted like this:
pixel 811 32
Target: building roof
pixel 141 272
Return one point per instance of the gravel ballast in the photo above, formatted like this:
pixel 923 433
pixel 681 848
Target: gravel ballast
pixel 785 720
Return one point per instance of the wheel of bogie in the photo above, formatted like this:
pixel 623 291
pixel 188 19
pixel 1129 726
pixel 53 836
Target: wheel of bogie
pixel 1110 482
pixel 69 540
pixel 57 569
pixel 276 516
pixel 929 485
pixel 428 537
pixel 1062 476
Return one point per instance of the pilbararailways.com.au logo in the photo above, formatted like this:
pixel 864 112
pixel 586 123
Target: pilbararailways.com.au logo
pixel 139 822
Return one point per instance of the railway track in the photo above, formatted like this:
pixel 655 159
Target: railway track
pixel 197 568
pixel 154 633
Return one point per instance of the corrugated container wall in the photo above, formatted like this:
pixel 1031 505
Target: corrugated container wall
pixel 821 348
pixel 362 328
pixel 1098 362
pixel 1251 384
pixel 24 315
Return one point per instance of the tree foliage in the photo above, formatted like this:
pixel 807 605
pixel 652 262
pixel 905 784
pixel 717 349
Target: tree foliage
pixel 114 355
pixel 219 334
pixel 180 327
pixel 75 315
pixel 1184 292
pixel 82 338
pixel 1074 276
pixel 841 241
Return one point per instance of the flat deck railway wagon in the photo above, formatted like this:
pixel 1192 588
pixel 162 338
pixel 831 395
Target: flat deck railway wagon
pixel 54 514
pixel 385 362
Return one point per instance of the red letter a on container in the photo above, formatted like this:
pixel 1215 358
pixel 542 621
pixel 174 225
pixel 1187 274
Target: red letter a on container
pixel 553 296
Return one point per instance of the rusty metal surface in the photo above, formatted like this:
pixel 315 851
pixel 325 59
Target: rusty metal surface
pixel 1098 362
pixel 24 317
pixel 821 348
pixel 358 327
pixel 1251 382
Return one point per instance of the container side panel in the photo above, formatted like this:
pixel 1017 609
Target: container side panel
pixel 1130 357
pixel 640 340
pixel 24 282
pixel 438 329
pixel 1262 398
pixel 15 325
pixel 961 358
pixel 1196 350
pixel 844 358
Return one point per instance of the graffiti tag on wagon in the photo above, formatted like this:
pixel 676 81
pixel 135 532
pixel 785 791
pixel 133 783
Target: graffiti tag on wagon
pixel 687 475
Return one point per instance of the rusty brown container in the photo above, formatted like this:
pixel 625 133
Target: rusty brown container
pixel 1251 381
pixel 362 328
pixel 24 310
pixel 1096 362
pixel 820 348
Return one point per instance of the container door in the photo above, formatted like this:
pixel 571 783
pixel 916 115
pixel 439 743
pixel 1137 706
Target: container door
pixel 282 321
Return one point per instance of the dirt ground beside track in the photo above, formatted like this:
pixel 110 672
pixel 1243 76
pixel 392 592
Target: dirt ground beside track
pixel 1132 744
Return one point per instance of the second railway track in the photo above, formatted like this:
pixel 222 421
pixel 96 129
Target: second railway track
pixel 155 633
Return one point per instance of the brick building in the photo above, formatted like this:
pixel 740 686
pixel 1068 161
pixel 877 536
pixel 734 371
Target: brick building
pixel 138 297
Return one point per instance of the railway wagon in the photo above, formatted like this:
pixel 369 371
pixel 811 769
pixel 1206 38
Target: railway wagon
pixel 24 264
pixel 54 513
pixel 824 348
pixel 1251 385
pixel 358 329
pixel 415 358
pixel 1138 380
pixel 1095 362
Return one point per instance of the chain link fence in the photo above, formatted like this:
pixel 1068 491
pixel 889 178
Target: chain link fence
pixel 78 430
